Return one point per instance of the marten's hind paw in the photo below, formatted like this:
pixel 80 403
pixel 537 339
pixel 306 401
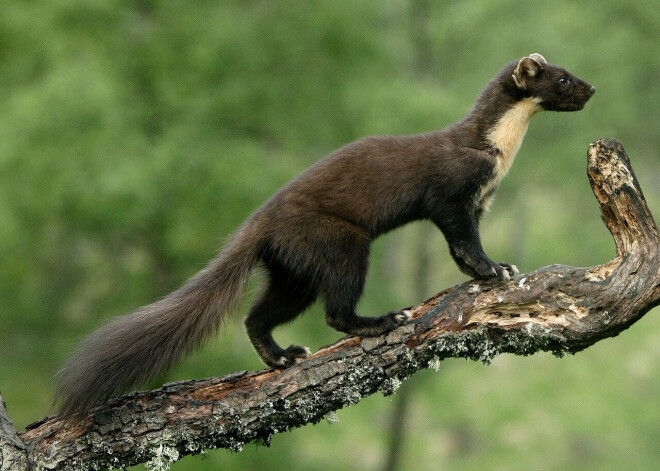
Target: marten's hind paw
pixel 401 317
pixel 292 355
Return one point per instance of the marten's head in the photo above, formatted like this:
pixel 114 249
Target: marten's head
pixel 555 87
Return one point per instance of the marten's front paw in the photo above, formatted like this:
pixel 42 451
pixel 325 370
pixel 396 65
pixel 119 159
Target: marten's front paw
pixel 503 271
pixel 508 270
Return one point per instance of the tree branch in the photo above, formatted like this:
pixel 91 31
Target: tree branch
pixel 557 309
pixel 13 452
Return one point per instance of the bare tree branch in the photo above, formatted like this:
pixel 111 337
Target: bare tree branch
pixel 13 452
pixel 557 308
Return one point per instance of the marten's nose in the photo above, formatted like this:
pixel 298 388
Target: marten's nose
pixel 592 90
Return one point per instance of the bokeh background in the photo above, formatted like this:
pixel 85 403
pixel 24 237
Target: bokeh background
pixel 135 136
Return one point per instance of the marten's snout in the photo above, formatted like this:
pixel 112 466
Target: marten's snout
pixel 592 90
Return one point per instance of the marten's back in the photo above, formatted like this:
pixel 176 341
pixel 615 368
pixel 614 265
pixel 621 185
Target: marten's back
pixel 379 183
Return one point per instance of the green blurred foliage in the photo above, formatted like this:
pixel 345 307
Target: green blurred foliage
pixel 136 136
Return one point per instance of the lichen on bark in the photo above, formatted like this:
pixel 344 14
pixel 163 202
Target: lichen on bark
pixel 558 309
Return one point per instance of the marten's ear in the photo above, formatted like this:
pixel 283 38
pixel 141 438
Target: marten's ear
pixel 538 58
pixel 527 68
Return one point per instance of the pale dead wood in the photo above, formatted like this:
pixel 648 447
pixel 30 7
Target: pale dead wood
pixel 557 308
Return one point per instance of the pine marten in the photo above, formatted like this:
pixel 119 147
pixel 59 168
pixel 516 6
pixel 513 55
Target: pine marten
pixel 313 237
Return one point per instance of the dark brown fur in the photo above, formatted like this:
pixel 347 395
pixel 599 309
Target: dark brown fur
pixel 313 236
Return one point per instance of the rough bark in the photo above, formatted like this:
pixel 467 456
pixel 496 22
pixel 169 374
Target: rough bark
pixel 557 308
pixel 13 452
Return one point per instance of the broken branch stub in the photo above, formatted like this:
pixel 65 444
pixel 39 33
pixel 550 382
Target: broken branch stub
pixel 557 308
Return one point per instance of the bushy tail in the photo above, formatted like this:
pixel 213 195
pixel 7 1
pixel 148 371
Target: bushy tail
pixel 136 347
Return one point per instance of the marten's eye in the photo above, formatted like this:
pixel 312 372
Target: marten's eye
pixel 564 81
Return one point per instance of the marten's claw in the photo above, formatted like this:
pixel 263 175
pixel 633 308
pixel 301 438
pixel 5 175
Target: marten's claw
pixel 510 270
pixel 292 355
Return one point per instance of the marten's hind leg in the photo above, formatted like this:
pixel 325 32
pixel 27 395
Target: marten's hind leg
pixel 342 285
pixel 285 297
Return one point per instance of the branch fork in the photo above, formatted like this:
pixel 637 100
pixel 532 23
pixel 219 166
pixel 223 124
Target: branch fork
pixel 558 308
